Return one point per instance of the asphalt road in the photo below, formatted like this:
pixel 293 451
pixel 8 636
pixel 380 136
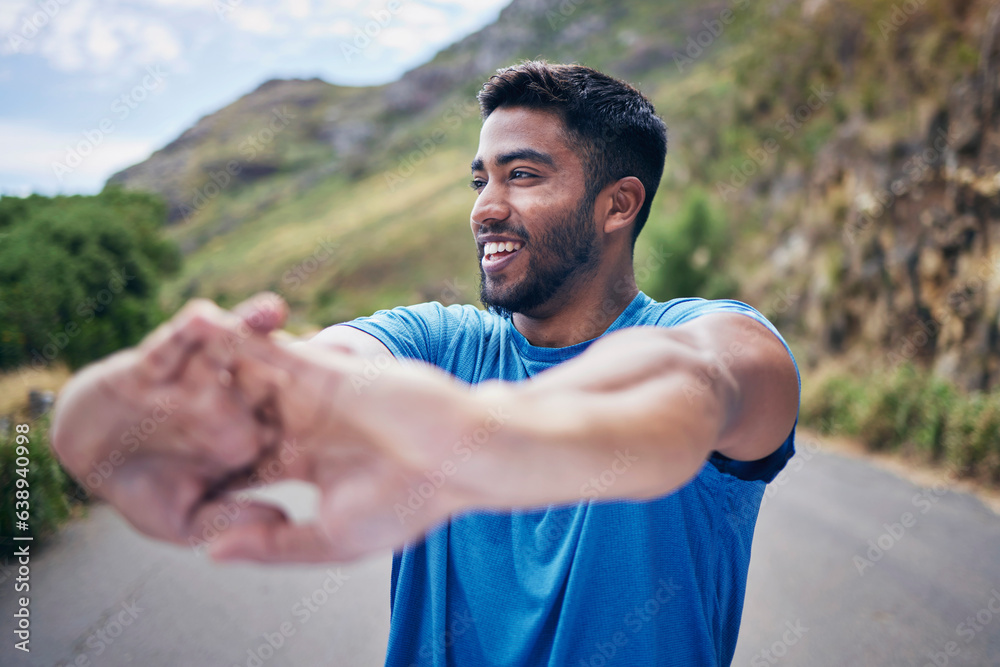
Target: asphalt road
pixel 852 566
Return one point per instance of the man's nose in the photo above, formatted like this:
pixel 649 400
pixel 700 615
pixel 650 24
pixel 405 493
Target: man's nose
pixel 491 206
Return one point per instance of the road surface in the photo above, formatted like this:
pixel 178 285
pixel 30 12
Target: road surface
pixel 852 566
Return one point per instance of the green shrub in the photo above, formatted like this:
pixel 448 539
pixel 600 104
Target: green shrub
pixel 939 400
pixel 79 275
pixel 959 434
pixel 909 409
pixel 833 406
pixel 698 241
pixel 893 414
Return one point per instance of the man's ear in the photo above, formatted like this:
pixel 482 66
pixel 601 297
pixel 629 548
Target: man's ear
pixel 626 198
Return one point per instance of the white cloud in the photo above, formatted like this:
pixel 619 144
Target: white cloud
pixel 253 19
pixel 421 15
pixel 300 9
pixel 159 45
pixel 336 28
pixel 110 37
pixel 10 12
pixel 206 5
pixel 102 42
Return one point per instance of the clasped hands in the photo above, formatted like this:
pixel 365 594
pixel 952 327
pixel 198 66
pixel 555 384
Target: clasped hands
pixel 172 431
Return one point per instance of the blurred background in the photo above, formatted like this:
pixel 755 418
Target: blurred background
pixel 834 163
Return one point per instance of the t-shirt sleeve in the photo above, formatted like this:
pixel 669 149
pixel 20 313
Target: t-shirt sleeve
pixel 413 332
pixel 766 469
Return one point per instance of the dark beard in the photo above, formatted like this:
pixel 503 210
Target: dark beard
pixel 566 249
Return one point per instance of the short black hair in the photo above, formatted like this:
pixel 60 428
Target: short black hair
pixel 611 124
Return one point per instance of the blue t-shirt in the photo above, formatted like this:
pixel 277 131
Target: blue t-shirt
pixel 598 582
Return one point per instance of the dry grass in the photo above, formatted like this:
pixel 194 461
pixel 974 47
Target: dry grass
pixel 15 385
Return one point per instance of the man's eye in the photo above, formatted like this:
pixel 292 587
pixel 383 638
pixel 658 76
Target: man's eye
pixel 518 173
pixel 477 184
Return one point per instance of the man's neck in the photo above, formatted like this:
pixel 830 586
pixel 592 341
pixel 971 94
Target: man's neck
pixel 580 312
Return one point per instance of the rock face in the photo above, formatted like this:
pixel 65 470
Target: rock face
pixel 903 248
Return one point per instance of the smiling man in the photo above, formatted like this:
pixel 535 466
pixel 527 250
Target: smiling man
pixel 570 477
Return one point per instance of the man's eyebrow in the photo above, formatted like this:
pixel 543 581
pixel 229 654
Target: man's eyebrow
pixel 528 154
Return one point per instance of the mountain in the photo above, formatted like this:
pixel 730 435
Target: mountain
pixel 849 149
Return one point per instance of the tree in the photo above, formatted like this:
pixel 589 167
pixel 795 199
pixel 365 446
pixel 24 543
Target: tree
pixel 79 275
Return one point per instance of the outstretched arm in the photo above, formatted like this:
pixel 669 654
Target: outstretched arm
pixel 661 398
pixel 648 404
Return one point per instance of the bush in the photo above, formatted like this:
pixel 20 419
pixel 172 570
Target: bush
pixel 698 241
pixel 893 414
pixel 79 276
pixel 939 401
pixel 908 408
pixel 832 407
pixel 972 440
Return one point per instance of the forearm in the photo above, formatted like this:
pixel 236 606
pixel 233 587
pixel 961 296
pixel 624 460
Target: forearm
pixel 620 421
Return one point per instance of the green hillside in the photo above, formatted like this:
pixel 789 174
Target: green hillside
pixel 789 123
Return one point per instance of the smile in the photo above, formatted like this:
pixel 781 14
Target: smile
pixel 497 255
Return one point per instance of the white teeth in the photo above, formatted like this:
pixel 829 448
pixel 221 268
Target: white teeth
pixel 492 248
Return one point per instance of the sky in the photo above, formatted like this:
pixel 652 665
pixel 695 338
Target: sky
pixel 89 87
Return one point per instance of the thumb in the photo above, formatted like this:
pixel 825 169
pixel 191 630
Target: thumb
pixel 263 312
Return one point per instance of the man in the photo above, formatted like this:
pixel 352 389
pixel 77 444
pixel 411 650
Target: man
pixel 570 478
